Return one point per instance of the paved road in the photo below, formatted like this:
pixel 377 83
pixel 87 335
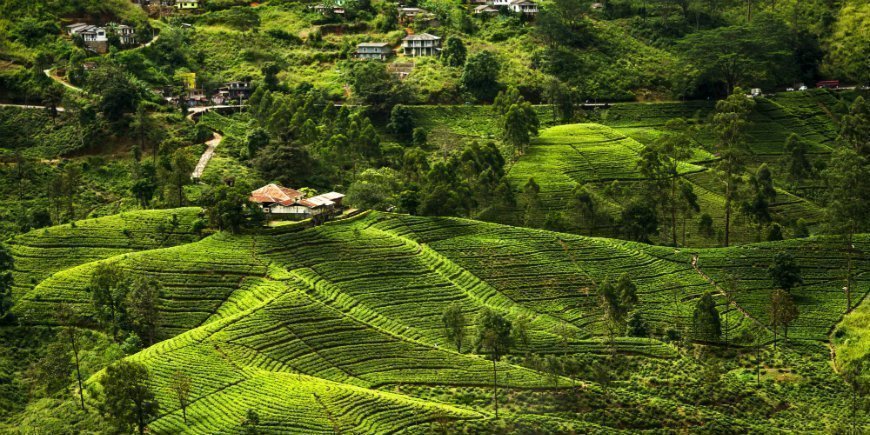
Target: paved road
pixel 206 156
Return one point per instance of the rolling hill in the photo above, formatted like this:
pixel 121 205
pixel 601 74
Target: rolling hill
pixel 337 327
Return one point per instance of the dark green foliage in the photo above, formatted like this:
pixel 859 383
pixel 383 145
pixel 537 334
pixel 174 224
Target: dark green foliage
pixel 729 127
pixel 228 208
pixel 782 311
pixel 775 233
pixel 142 310
pixel 638 221
pixel 128 401
pixel 785 272
pixel 518 120
pixel 637 326
pixel 616 301
pixel 797 164
pixel 454 52
pixel 402 123
pixel 480 76
pixel 373 85
pixel 251 425
pixel 454 324
pixel 109 287
pixel 6 267
pixel 288 164
pixel 52 372
pixel 706 324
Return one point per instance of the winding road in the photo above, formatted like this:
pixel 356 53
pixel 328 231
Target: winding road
pixel 206 156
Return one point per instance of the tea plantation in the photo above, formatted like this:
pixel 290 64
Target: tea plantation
pixel 338 327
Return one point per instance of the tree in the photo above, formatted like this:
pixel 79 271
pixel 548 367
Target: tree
pixel 6 281
pixel 855 373
pixel 256 140
pixel 176 176
pixel 518 120
pixel 676 146
pixel 141 308
pixel 741 55
pixel 785 272
pixel 855 127
pixel 797 164
pixel 638 221
pixel 373 85
pixel 117 88
pixel 144 178
pixel 402 123
pixel 270 76
pixel 70 320
pixel 729 126
pixel 273 162
pixel 454 324
pixel 53 369
pixel 109 286
pixel 616 301
pixel 480 76
pixel 847 55
pixel 228 208
pixel 128 401
pixel 562 99
pixel 705 319
pixel 454 52
pixel 181 387
pixel 847 193
pixel 494 338
pixel 531 201
pixel 251 425
pixel 782 312
pixel 145 130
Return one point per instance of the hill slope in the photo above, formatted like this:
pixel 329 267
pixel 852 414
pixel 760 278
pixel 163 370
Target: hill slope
pixel 339 325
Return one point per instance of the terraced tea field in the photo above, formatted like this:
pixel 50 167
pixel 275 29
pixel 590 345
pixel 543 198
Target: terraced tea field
pixel 338 327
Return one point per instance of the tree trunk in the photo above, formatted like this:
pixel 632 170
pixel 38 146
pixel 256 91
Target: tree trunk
pixel 674 209
pixel 495 385
pixel 75 347
pixel 727 220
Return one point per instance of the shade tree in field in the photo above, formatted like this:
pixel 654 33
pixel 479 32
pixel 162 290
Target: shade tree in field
pixel 856 373
pixel 51 372
pixel 729 127
pixel 109 286
pixel 181 387
pixel 638 221
pixel 71 332
pixel 402 123
pixel 674 147
pixel 531 202
pixel 785 272
pixel 228 208
pixel 141 308
pixel 798 166
pixel 562 100
pixel 847 197
pixel 494 338
pixel 616 300
pixel 706 324
pixel 782 311
pixel 756 206
pixel 454 324
pixel 518 120
pixel 6 266
pixel 251 424
pixel 128 401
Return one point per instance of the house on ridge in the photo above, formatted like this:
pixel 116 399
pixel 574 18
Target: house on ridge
pixel 421 44
pixel 283 203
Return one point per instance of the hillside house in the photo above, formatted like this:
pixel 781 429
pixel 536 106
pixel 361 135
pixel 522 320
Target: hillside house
pixel 323 9
pixel 373 50
pixel 95 38
pixel 525 7
pixel 187 4
pixel 486 9
pixel 423 44
pixel 280 202
pixel 126 34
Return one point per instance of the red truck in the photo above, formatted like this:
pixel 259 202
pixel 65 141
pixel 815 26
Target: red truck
pixel 828 84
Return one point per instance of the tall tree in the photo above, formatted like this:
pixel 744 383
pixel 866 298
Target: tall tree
pixel 856 373
pixel 180 385
pixel 128 400
pixel 109 286
pixel 70 320
pixel 729 126
pixel 785 272
pixel 454 52
pixel 454 324
pixel 676 146
pixel 519 121
pixel 616 301
pixel 141 307
pixel 494 338
pixel 847 193
pixel 531 202
pixel 705 320
pixel 757 206
pixel 797 163
pixel 480 76
pixel 782 312
pixel 6 266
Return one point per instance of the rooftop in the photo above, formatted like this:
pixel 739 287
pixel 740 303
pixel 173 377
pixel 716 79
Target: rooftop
pixel 421 37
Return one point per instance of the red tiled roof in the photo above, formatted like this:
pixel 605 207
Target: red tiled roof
pixel 273 193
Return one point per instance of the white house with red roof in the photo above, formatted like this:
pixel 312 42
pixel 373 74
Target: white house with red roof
pixel 279 202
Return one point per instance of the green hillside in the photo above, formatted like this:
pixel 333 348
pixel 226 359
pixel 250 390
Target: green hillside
pixel 339 325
